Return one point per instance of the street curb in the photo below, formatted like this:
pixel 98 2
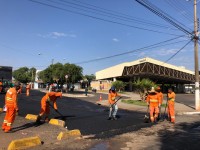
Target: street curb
pixel 57 122
pixel 69 134
pixel 24 143
pixel 31 117
pixel 188 113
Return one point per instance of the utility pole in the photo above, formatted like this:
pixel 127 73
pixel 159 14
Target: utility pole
pixel 197 102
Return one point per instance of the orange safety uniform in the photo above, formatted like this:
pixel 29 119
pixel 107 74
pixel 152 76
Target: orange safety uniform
pixel 49 97
pixel 12 108
pixel 111 97
pixel 160 94
pixel 20 90
pixel 171 104
pixel 28 87
pixel 154 100
pixel 1 86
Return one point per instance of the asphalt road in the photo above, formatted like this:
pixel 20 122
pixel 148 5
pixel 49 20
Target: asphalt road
pixel 83 114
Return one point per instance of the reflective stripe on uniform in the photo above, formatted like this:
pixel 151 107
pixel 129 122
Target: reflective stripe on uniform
pixel 173 117
pixel 8 99
pixel 5 121
pixel 9 124
pixel 153 100
pixel 172 99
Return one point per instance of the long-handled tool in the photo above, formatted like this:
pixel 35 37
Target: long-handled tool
pixel 146 116
pixel 164 115
pixel 113 104
pixel 61 116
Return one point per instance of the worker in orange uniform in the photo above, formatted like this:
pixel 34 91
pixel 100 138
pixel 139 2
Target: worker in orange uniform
pixel 28 87
pixel 1 86
pixel 160 94
pixel 20 90
pixel 11 107
pixel 154 102
pixel 171 99
pixel 45 103
pixel 112 95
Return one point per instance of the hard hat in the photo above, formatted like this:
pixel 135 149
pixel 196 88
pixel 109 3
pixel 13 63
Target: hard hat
pixel 152 90
pixel 113 88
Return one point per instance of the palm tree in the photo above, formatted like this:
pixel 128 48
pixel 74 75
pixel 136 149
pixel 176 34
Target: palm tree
pixel 142 86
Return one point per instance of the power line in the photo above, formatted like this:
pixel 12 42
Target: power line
pixel 102 19
pixel 178 51
pixel 162 14
pixel 109 13
pixel 132 51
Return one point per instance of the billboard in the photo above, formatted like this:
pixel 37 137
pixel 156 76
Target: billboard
pixel 5 73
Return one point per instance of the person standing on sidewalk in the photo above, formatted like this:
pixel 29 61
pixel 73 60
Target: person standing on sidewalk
pixel 45 105
pixel 11 107
pixel 154 102
pixel 171 103
pixel 113 105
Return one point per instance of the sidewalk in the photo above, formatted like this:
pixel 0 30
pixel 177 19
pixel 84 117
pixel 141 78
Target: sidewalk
pixel 179 108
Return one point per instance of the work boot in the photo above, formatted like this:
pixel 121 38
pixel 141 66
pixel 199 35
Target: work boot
pixel 46 119
pixel 109 118
pixel 4 126
pixel 38 119
pixel 114 118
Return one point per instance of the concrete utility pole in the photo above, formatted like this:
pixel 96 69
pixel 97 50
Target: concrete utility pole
pixel 197 102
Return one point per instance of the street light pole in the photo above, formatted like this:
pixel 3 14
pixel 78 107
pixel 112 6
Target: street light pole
pixel 197 102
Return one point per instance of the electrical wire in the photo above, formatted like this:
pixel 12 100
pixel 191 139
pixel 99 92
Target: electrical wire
pixel 132 51
pixel 102 19
pixel 178 51
pixel 163 15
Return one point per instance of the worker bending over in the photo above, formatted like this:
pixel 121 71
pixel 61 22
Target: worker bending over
pixel 11 107
pixel 113 105
pixel 45 104
pixel 171 112
pixel 154 102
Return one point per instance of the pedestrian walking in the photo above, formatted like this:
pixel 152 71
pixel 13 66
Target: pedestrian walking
pixel 154 102
pixel 11 107
pixel 171 103
pixel 45 104
pixel 113 105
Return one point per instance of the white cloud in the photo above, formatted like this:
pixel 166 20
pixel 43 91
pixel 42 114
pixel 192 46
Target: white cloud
pixel 115 40
pixel 56 35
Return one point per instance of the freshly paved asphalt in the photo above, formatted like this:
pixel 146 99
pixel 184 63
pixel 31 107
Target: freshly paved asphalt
pixel 83 114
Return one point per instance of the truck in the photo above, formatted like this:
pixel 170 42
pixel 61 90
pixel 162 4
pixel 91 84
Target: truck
pixel 5 78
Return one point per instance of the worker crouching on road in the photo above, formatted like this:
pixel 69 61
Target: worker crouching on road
pixel 113 105
pixel 11 107
pixel 154 102
pixel 171 103
pixel 45 104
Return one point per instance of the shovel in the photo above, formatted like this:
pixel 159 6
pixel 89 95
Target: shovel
pixel 61 116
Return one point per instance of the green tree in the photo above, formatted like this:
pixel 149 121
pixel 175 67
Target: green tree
pixel 24 74
pixel 89 78
pixel 119 85
pixel 58 71
pixel 142 87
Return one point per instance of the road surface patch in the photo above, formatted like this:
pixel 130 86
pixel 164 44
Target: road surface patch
pixel 57 122
pixel 31 117
pixel 24 143
pixel 69 134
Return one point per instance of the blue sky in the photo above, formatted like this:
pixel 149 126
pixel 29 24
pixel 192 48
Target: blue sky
pixel 33 35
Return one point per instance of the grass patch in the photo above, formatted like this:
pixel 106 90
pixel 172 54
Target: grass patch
pixel 138 102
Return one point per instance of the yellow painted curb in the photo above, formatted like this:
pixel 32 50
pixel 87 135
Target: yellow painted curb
pixel 24 143
pixel 68 134
pixel 1 109
pixel 31 117
pixel 57 122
